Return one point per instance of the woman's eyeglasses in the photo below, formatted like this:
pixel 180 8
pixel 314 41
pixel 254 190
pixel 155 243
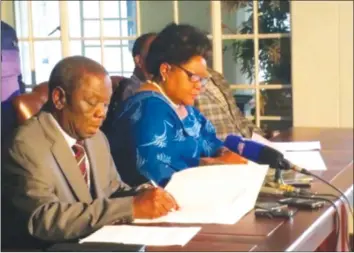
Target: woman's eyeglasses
pixel 194 77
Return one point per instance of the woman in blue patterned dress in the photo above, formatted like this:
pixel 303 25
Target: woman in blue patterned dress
pixel 158 131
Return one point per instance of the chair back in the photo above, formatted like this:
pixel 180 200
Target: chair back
pixel 115 82
pixel 42 89
pixel 29 104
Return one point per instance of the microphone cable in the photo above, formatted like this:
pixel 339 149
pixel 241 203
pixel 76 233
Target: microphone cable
pixel 293 192
pixel 337 215
pixel 321 197
pixel 306 172
pixel 343 198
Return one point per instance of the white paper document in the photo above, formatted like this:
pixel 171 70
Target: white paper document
pixel 259 138
pixel 310 160
pixel 301 153
pixel 220 194
pixel 297 145
pixel 288 146
pixel 154 236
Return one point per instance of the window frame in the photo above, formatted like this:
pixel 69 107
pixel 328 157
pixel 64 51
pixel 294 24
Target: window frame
pixel 134 27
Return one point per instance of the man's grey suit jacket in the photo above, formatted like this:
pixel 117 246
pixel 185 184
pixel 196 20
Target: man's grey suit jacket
pixel 44 192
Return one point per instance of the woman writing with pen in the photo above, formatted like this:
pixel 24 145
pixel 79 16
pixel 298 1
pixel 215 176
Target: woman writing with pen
pixel 158 131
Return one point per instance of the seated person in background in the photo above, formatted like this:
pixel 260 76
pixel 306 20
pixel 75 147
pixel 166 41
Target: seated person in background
pixel 128 86
pixel 158 131
pixel 59 181
pixel 218 105
pixel 10 78
pixel 140 74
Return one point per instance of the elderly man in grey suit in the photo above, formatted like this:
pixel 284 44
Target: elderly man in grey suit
pixel 59 181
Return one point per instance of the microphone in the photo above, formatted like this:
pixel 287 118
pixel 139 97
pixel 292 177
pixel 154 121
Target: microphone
pixel 291 166
pixel 259 153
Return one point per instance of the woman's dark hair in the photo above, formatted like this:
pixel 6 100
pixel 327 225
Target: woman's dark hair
pixel 176 44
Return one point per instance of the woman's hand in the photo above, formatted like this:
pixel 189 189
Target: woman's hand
pixel 227 156
pixel 224 156
pixel 210 161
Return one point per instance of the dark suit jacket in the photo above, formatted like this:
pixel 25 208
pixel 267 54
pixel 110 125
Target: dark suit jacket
pixel 44 195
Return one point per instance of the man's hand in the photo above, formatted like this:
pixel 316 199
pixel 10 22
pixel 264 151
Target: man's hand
pixel 153 203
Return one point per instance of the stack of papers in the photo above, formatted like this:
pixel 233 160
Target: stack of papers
pixel 297 146
pixel 154 236
pixel 310 160
pixel 303 154
pixel 219 194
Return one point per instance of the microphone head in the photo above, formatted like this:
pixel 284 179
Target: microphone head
pixel 232 141
pixel 254 151
pixel 244 147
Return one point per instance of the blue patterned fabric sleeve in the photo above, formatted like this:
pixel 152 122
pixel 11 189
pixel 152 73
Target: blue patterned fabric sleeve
pixel 153 126
pixel 209 142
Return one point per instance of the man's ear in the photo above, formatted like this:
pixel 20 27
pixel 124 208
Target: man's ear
pixel 59 98
pixel 138 61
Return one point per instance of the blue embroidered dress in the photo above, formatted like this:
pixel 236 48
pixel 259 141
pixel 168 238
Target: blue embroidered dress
pixel 150 142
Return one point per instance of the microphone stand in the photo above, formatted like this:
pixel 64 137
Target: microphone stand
pixel 278 178
pixel 278 182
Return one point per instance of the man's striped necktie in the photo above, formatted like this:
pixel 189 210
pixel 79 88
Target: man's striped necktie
pixel 80 156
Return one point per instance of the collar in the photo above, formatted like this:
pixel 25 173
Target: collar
pixel 215 77
pixel 135 78
pixel 70 140
pixel 175 106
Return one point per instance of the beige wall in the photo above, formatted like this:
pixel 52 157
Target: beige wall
pixel 322 63
pixel 7 12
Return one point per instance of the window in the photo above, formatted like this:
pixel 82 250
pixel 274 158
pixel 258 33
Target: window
pixel 255 51
pixel 39 52
pixel 107 39
pixel 256 59
pixel 42 33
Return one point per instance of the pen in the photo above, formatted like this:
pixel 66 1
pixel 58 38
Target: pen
pixel 156 186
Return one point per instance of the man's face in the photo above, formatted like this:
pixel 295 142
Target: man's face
pixel 81 113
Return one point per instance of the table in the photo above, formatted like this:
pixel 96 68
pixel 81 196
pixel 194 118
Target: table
pixel 307 230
